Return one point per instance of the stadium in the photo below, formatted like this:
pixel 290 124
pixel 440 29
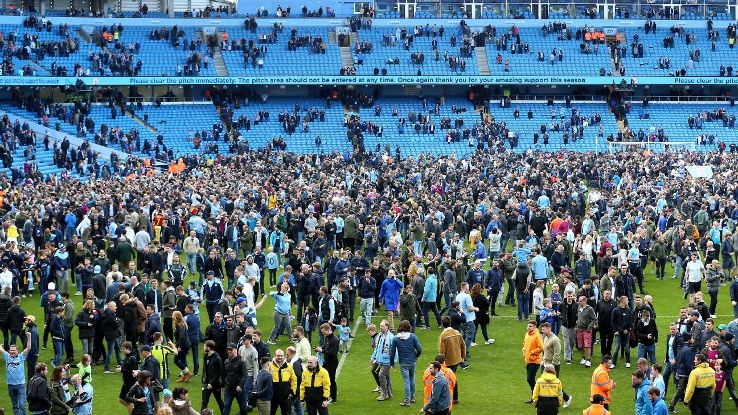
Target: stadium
pixel 254 158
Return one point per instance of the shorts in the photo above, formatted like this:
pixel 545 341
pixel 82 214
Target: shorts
pixel 694 287
pixel 584 338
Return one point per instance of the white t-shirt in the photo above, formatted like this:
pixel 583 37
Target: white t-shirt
pixel 694 271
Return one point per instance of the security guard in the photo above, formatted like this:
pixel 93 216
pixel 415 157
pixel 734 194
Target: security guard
pixel 548 394
pixel 700 387
pixel 597 407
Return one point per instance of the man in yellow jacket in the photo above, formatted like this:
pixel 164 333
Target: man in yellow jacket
pixel 315 388
pixel 284 382
pixel 548 394
pixel 700 386
pixel 532 349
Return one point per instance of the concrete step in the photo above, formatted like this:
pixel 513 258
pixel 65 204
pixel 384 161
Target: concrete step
pixel 482 63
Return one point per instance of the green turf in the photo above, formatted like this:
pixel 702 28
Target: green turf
pixel 495 382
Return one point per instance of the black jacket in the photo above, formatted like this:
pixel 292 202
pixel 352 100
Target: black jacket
pixel 109 323
pixel 643 330
pixel 5 303
pixel 676 346
pixel 39 394
pixel 83 321
pixel 330 348
pixel 234 373
pixel 569 314
pixel 137 392
pixel 218 335
pixel 212 373
pixel 604 315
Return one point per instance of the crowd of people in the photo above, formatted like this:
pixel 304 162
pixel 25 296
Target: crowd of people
pixel 566 237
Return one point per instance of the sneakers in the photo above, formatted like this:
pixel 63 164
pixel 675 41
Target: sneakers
pixel 581 362
pixel 465 366
pixel 612 366
pixel 568 401
pixel 568 362
pixel 473 344
pixel 529 401
pixel 376 389
pixel 108 371
pixel 405 403
pixel 588 363
pixel 78 293
pixel 272 342
pixel 627 365
pixel 490 341
pixel 382 398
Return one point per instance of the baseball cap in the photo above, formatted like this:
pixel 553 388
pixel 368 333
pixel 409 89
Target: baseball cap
pixel 694 313
pixel 723 327
pixel 728 337
pixel 97 269
pixel 32 318
pixel 232 346
pixel 211 273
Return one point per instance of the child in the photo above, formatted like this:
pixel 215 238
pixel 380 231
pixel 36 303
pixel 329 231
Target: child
pixel 556 300
pixel 657 381
pixel 194 293
pixel 272 262
pixel 717 399
pixel 85 369
pixel 311 321
pixel 548 315
pixel 344 333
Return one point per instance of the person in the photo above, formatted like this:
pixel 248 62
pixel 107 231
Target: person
pixel 211 376
pixel 250 358
pixel 234 375
pixel 568 311
pixel 552 354
pixel 263 391
pixel 32 356
pixel 467 307
pixel 384 357
pixel 39 394
pixel 641 384
pixel 604 310
pixel 367 288
pixel 282 307
pixel 700 387
pixel 694 274
pixel 315 388
pixel 597 406
pixel 141 394
pixel 548 392
pixel 15 374
pixel 657 402
pixel 182 345
pixel 481 316
pixel 621 325
pixel 648 335
pixel 657 379
pixel 717 398
pixel 329 349
pixel 452 346
pixel 406 347
pixel 58 392
pixel 601 383
pixel 127 369
pixel 58 332
pixel 389 295
pixel 180 402
pixel 586 321
pixel 284 383
pixel 684 365
pixel 111 326
pixel 532 350
pixel 82 396
pixel 161 352
pixel 440 399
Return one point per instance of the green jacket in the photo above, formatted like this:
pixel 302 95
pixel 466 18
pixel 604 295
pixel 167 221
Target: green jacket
pixel 658 250
pixel 350 227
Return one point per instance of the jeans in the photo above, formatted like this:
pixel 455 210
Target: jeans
pixel 468 335
pixel 366 306
pixel 228 398
pixel 408 380
pixel 430 306
pixel 668 371
pixel 248 383
pixel 681 383
pixel 717 403
pixel 523 304
pixel 195 348
pixel 113 345
pixel 570 340
pixel 192 263
pixel 417 247
pixel 648 352
pixel 448 299
pixel 18 398
pixel 296 407
pixel 280 321
pixel 62 281
pixel 87 346
pixel 622 345
pixel 180 359
pixel 58 351
pixel 677 266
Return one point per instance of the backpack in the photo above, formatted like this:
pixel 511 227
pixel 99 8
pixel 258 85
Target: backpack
pixel 34 384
